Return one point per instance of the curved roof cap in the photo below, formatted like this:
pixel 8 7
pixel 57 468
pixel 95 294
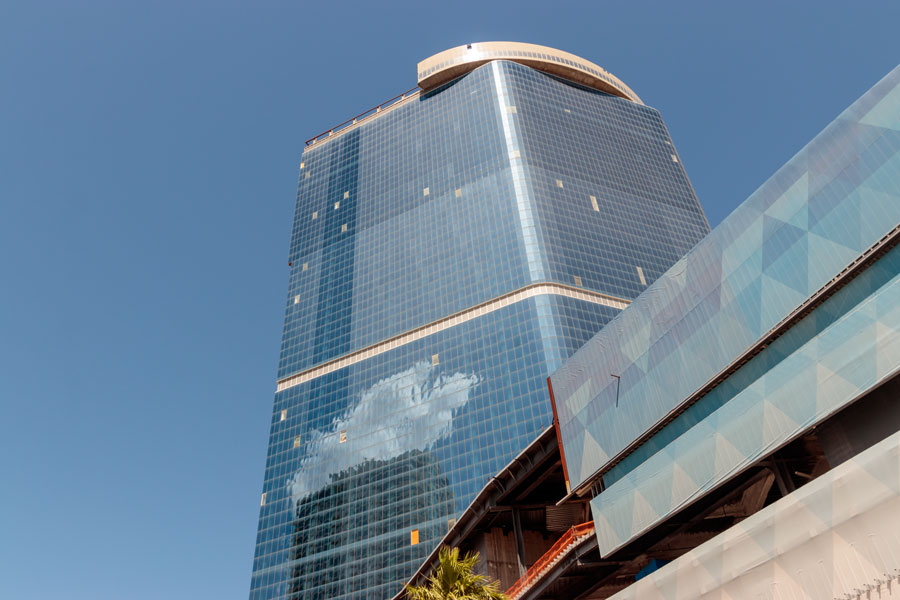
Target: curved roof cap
pixel 450 64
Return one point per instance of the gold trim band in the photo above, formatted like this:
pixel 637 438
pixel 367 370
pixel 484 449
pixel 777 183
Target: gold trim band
pixel 538 289
pixel 448 65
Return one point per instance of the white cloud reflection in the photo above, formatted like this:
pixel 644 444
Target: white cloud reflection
pixel 410 410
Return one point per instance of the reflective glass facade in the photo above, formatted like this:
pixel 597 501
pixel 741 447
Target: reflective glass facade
pixel 446 256
pixel 833 205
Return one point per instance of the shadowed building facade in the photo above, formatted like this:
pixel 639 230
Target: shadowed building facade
pixel 449 251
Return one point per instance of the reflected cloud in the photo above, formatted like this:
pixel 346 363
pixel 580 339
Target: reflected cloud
pixel 410 410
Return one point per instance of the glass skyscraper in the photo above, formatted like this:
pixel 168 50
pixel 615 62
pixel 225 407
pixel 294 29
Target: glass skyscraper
pixel 448 252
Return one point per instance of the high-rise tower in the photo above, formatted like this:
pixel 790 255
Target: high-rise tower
pixel 449 251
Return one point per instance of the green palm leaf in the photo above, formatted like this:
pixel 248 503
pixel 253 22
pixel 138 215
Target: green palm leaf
pixel 455 579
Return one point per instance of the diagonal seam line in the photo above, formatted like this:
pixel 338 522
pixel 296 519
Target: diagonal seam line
pixel 856 267
pixel 529 291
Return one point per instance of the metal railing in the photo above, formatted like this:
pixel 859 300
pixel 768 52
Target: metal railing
pixel 575 535
pixel 362 116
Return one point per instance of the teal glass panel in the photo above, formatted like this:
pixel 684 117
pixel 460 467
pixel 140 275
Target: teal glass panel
pixel 834 200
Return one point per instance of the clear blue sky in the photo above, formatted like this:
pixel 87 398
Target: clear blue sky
pixel 148 165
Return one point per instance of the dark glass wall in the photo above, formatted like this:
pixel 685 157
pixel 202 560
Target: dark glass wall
pixel 451 200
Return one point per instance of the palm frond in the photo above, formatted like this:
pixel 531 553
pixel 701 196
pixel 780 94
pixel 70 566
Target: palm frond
pixel 455 579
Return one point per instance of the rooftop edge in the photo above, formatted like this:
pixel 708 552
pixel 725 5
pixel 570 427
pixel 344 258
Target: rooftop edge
pixel 450 64
pixel 446 66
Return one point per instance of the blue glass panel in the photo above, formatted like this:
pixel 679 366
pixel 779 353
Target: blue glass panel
pixel 820 212
pixel 446 202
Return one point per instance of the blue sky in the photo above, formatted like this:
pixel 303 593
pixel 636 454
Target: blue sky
pixel 148 164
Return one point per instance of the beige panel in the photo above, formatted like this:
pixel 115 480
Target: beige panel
pixel 450 64
pixel 836 537
pixel 447 322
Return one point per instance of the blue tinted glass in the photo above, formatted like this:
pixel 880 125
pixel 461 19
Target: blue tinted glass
pixel 446 256
pixel 813 218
